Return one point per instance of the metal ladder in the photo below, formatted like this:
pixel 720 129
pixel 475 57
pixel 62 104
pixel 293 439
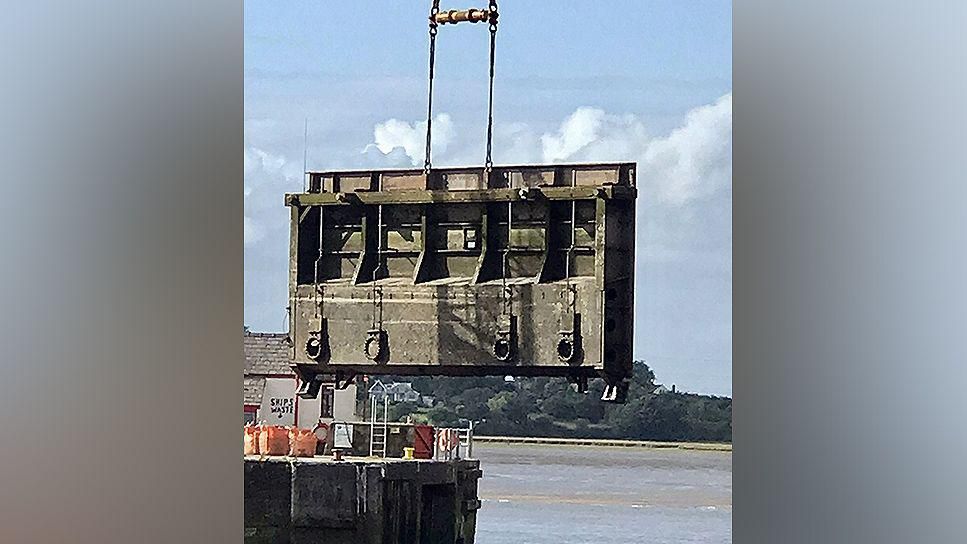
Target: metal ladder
pixel 465 437
pixel 378 428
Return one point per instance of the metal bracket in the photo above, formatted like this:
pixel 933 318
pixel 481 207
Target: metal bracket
pixel 580 383
pixel 505 344
pixel 615 391
pixel 317 345
pixel 376 346
pixel 309 384
pixel 569 342
pixel 567 346
pixel 341 381
pixel 529 193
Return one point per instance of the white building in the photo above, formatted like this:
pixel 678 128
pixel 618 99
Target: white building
pixel 269 387
pixel 661 390
pixel 402 392
pixel 397 392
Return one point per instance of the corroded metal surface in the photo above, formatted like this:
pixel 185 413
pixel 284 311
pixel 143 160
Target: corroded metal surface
pixel 522 270
pixel 360 501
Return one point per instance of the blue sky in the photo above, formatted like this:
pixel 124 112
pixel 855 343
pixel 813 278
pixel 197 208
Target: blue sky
pixel 640 81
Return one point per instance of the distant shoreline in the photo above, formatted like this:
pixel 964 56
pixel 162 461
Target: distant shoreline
pixel 701 446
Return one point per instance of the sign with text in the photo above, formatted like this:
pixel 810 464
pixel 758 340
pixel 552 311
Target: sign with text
pixel 278 402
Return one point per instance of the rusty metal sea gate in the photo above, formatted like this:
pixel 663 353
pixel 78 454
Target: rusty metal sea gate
pixel 519 270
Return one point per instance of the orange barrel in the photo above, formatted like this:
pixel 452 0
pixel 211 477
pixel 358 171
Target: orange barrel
pixel 251 440
pixel 302 442
pixel 273 440
pixel 423 441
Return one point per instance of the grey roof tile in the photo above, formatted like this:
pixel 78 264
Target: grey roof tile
pixel 267 353
pixel 252 389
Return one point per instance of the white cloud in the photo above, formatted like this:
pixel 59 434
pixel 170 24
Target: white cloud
pixel 266 174
pixel 694 161
pixel 577 131
pixel 594 135
pixel 256 160
pixel 252 232
pixel 411 138
pixel 515 143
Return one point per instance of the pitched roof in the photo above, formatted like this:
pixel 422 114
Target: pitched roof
pixel 400 387
pixel 252 389
pixel 267 353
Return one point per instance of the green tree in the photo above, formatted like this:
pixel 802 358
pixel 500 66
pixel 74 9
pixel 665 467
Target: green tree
pixel 400 410
pixel 473 403
pixel 442 416
pixel 550 407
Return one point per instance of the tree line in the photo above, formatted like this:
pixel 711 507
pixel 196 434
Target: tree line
pixel 549 407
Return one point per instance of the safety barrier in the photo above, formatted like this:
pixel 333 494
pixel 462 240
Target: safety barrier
pixel 454 443
pixel 444 443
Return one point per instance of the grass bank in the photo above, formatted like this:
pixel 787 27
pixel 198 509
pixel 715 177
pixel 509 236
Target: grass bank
pixel 703 446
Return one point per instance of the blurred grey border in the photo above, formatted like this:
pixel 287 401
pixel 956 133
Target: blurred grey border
pixel 121 216
pixel 849 308
pixel 122 272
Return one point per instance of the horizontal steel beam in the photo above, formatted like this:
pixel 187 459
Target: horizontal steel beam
pixel 472 169
pixel 610 192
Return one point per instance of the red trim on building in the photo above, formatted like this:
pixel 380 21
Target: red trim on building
pixel 295 409
pixel 250 408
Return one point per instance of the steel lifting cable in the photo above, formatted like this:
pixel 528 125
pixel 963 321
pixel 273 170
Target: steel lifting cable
pixel 376 269
pixel 319 301
pixel 504 290
pixel 453 16
pixel 488 162
pixel 429 103
pixel 571 291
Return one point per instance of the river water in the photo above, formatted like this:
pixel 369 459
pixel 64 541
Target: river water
pixel 603 495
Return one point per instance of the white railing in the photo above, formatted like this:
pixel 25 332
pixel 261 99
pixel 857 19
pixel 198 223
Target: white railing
pixel 453 443
pixel 448 442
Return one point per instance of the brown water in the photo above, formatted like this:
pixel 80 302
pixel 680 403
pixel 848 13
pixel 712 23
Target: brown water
pixel 601 495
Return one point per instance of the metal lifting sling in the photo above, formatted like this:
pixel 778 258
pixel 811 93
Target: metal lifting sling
pixel 453 16
pixel 460 234
pixel 504 344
